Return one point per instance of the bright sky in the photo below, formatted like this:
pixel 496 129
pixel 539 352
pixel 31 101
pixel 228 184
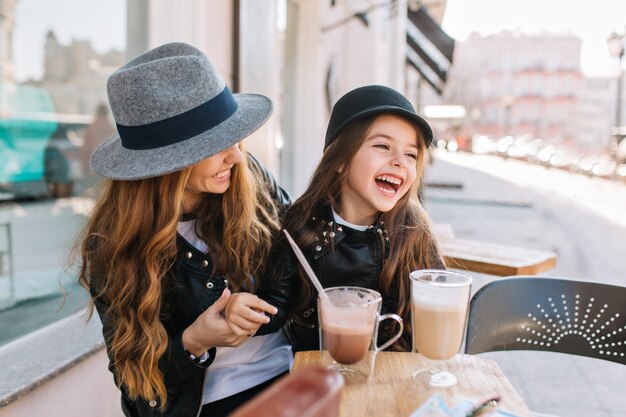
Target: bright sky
pixel 592 21
pixel 104 24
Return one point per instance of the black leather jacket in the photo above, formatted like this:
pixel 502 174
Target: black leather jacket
pixel 342 256
pixel 191 292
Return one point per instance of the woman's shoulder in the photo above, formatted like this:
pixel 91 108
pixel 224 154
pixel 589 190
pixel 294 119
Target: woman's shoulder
pixel 276 192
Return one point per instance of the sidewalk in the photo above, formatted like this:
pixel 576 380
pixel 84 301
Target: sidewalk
pixel 582 220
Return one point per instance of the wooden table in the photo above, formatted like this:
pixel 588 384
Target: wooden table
pixel 495 259
pixel 391 391
pixel 490 258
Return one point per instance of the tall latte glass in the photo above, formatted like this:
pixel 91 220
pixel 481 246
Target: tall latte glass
pixel 439 302
pixel 349 322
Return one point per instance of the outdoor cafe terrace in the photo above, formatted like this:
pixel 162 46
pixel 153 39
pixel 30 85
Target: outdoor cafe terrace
pixel 491 225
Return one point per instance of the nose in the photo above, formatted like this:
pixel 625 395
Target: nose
pixel 399 160
pixel 233 155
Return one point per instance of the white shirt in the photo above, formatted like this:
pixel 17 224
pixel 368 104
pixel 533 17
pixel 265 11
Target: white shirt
pixel 339 220
pixel 255 361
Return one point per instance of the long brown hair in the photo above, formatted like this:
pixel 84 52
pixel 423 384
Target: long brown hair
pixel 412 245
pixel 129 245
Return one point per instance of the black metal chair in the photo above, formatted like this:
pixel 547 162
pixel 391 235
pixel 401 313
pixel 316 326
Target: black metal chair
pixel 549 314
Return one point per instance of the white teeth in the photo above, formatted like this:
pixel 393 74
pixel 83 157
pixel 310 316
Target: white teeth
pixel 386 191
pixel 222 174
pixel 389 179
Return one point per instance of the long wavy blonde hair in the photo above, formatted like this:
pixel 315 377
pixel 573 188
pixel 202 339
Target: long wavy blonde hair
pixel 412 244
pixel 129 245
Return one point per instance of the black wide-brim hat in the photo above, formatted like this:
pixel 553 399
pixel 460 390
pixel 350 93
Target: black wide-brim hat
pixel 173 109
pixel 372 100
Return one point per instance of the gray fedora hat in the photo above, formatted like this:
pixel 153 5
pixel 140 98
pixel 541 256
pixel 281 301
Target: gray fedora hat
pixel 172 109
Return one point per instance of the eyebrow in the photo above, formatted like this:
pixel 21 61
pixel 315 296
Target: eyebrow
pixel 382 135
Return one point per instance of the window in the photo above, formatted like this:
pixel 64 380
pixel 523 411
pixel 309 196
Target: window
pixel 53 113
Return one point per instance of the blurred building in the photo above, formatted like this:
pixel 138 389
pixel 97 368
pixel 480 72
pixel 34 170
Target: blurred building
pixel 518 84
pixel 596 106
pixel 75 75
pixel 429 55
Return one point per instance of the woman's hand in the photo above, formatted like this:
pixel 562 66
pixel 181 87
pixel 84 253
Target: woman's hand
pixel 245 313
pixel 211 329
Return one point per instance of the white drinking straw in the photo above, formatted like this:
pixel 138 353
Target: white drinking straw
pixel 316 282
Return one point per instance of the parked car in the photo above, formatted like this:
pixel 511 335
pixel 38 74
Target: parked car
pixel 39 148
pixel 482 144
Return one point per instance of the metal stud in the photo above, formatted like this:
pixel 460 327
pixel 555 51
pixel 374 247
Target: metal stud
pixel 204 263
pixel 152 403
pixel 226 282
pixel 188 255
pixel 324 233
pixel 210 285
pixel 332 234
pixel 318 248
pixel 339 229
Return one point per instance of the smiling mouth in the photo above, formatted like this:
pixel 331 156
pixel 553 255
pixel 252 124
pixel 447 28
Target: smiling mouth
pixel 388 184
pixel 222 174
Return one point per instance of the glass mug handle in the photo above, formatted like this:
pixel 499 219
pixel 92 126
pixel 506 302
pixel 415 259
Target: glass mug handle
pixel 394 338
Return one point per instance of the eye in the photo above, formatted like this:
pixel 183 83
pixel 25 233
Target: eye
pixel 412 155
pixel 382 146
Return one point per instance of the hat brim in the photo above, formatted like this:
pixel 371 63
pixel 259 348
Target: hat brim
pixel 427 131
pixel 112 160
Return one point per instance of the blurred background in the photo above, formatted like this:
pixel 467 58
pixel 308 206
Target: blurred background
pixel 525 97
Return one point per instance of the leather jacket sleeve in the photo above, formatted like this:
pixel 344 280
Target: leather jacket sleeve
pixel 275 284
pixel 278 285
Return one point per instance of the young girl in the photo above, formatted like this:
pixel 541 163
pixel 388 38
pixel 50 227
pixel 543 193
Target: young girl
pixel 175 245
pixel 360 222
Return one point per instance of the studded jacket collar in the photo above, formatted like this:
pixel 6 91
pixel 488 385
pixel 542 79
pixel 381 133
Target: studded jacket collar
pixel 330 233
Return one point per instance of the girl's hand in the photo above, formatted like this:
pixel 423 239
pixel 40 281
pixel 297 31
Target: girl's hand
pixel 245 313
pixel 211 329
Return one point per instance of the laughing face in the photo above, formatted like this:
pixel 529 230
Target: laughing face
pixel 211 175
pixel 381 172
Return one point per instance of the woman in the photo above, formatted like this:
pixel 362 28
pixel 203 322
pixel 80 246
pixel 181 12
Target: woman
pixel 175 242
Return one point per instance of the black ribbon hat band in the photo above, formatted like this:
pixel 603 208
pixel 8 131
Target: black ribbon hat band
pixel 180 127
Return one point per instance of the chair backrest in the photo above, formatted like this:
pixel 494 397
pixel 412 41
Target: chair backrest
pixel 551 314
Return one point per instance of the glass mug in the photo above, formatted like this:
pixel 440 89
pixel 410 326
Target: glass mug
pixel 439 303
pixel 348 325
